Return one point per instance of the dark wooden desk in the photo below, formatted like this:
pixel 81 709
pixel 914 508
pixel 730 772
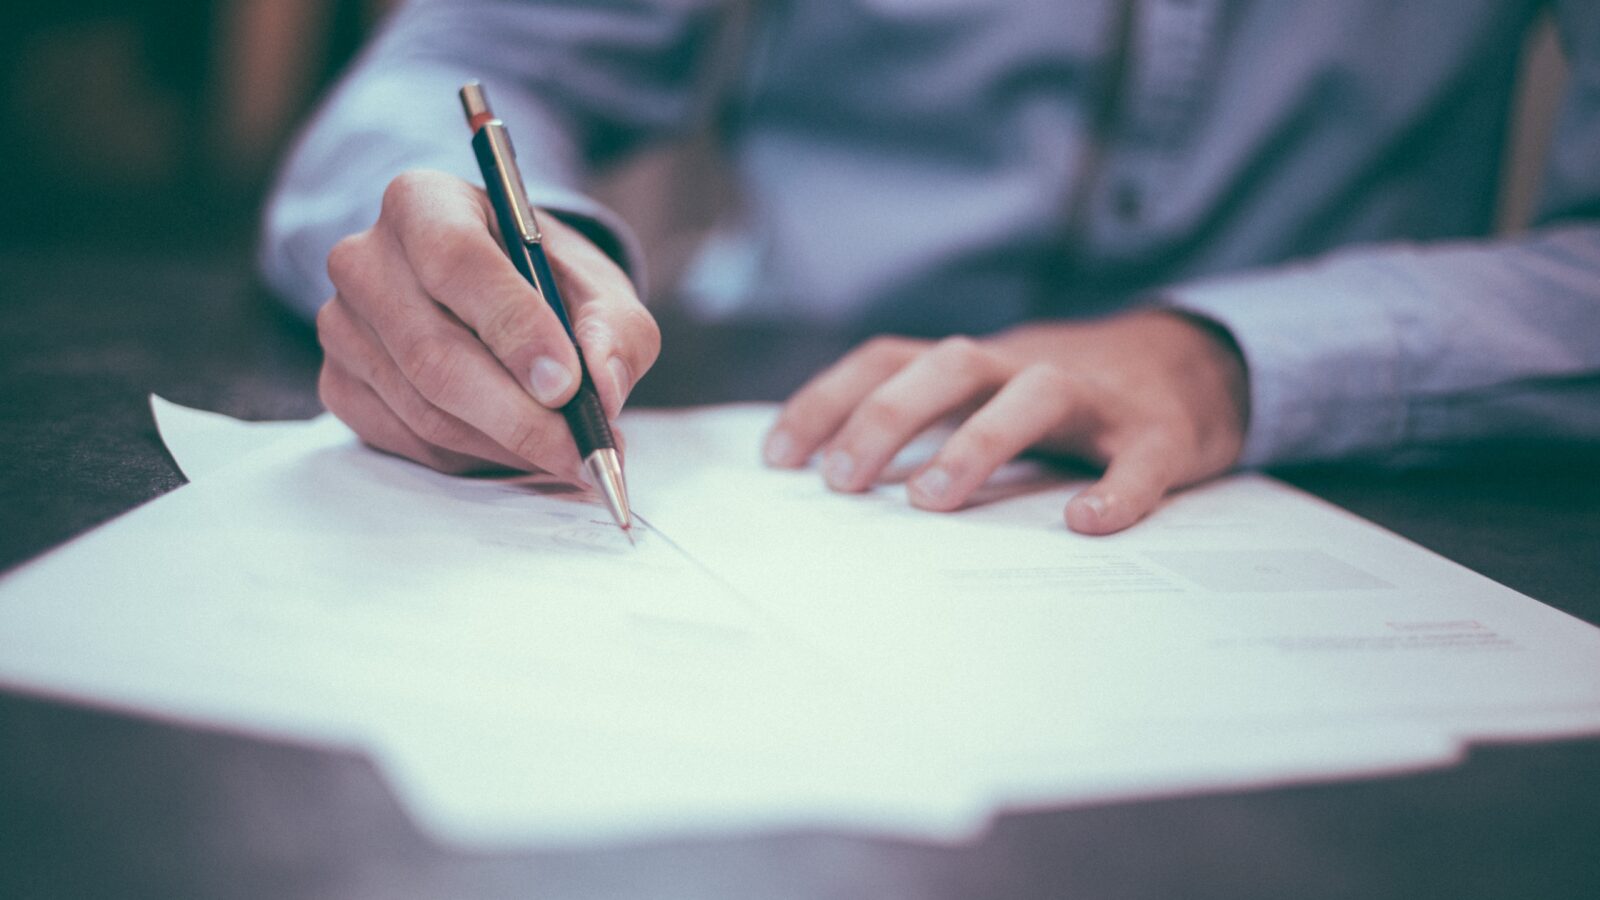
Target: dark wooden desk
pixel 96 804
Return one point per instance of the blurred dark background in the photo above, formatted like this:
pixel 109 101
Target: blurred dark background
pixel 151 128
pixel 153 125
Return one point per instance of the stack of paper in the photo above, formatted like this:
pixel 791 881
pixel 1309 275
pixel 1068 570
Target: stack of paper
pixel 771 654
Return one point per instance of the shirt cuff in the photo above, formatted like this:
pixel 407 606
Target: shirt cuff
pixel 1322 353
pixel 597 222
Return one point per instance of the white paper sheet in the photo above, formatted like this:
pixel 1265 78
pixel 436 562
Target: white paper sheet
pixel 775 656
pixel 204 442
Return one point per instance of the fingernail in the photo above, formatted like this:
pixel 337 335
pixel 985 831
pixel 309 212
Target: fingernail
pixel 621 380
pixel 1094 504
pixel 584 479
pixel 549 380
pixel 779 449
pixel 837 467
pixel 932 483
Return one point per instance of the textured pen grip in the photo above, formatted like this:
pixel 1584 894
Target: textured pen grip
pixel 587 419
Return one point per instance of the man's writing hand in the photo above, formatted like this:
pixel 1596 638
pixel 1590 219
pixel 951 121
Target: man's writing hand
pixel 436 348
pixel 1159 399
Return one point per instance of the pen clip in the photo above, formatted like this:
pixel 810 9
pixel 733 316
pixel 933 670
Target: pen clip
pixel 496 142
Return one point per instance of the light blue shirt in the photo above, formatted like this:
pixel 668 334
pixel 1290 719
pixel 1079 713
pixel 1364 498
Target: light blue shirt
pixel 1318 177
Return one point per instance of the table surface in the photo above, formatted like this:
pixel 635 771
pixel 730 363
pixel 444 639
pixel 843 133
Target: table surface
pixel 94 803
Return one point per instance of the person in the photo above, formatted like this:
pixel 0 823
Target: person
pixel 1171 237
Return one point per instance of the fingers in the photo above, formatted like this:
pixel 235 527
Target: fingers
pixel 360 407
pixel 935 383
pixel 443 226
pixel 619 337
pixel 356 354
pixel 1153 397
pixel 1038 401
pixel 1044 402
pixel 1135 480
pixel 822 405
pixel 444 361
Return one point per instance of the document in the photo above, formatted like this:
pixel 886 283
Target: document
pixel 773 655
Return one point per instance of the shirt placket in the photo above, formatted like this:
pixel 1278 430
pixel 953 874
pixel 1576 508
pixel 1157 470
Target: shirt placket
pixel 1169 53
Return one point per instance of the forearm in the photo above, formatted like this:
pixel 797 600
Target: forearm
pixel 1391 351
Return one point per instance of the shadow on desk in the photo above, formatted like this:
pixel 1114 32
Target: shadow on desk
pixel 98 804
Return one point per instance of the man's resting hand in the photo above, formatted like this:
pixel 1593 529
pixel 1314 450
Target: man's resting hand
pixel 1157 398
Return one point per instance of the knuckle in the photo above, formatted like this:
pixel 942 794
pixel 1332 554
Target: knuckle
pixel 888 345
pixel 812 399
pixel 795 417
pixel 430 364
pixel 1166 441
pixel 981 442
pixel 328 391
pixel 591 323
pixel 880 415
pixel 1049 379
pixel 402 190
pixel 642 332
pixel 346 260
pixel 325 314
pixel 884 347
pixel 447 256
pixel 960 354
pixel 335 329
pixel 328 327
pixel 506 324
pixel 794 410
pixel 433 426
pixel 530 439
pixel 957 346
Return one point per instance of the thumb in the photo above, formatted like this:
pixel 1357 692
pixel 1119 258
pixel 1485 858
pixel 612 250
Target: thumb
pixel 1134 482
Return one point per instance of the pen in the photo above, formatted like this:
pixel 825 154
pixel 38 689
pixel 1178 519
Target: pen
pixel 525 244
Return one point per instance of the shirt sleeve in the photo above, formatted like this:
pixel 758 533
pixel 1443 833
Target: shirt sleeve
pixel 1408 352
pixel 576 83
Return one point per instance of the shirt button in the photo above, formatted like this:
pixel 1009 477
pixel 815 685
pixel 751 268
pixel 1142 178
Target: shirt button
pixel 1127 201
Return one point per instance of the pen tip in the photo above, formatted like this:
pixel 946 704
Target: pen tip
pixel 605 473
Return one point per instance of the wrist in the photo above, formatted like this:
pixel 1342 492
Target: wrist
pixel 1214 366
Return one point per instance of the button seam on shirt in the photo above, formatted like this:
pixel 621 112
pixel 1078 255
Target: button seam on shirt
pixel 1127 199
